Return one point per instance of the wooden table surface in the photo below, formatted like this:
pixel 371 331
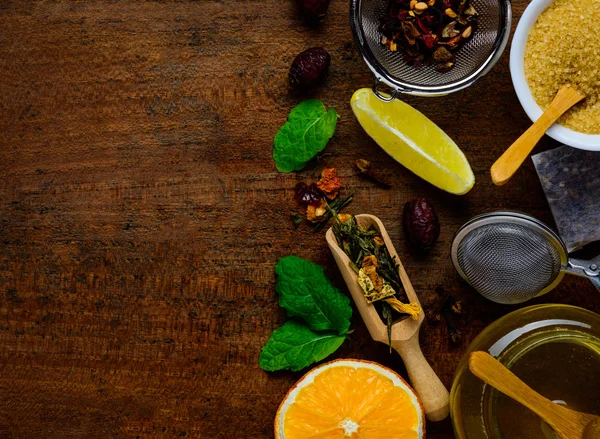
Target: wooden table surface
pixel 141 215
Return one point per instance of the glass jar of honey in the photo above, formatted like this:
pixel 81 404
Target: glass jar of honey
pixel 555 349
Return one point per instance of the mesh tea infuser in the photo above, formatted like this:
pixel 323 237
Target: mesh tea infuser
pixel 473 60
pixel 510 257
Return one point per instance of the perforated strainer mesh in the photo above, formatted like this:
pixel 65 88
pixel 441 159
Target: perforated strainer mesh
pixel 485 42
pixel 508 263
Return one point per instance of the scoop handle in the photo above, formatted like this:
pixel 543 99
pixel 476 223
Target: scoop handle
pixel 433 394
pixel 512 159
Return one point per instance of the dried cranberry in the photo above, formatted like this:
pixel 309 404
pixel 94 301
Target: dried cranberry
pixel 421 225
pixel 310 68
pixel 307 194
pixel 313 11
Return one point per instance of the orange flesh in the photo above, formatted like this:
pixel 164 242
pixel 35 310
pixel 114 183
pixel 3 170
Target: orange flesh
pixel 344 402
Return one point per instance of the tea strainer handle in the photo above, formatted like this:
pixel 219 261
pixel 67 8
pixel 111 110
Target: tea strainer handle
pixel 384 98
pixel 589 269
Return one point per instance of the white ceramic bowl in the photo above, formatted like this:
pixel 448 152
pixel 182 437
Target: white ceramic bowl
pixel 590 142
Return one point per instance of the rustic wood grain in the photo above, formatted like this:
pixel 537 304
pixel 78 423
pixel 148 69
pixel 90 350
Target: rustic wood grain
pixel 141 215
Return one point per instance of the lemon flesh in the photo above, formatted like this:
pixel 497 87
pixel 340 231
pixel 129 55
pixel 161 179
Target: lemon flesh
pixel 414 141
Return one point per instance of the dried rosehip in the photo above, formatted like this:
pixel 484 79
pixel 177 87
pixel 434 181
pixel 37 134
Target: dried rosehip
pixel 309 68
pixel 307 194
pixel 313 11
pixel 421 225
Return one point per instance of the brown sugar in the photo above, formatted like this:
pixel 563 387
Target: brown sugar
pixel 563 47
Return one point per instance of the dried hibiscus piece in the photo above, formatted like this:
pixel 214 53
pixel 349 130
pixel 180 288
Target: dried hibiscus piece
pixel 330 183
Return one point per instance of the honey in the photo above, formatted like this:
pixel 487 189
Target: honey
pixel 564 368
pixel 555 349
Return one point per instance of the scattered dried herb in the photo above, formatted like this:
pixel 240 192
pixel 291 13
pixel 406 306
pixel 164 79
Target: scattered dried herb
pixel 447 306
pixel 365 167
pixel 428 32
pixel 376 269
pixel 433 315
pixel 434 310
pixel 321 199
pixel 333 208
pixel 449 313
pixel 297 219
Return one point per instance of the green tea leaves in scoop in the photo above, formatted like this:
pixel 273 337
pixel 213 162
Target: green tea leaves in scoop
pixel 305 134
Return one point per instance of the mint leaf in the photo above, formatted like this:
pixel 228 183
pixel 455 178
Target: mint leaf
pixel 305 292
pixel 305 134
pixel 294 346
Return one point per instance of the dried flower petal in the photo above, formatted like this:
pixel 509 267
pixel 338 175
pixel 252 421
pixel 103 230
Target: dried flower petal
pixel 429 41
pixel 317 214
pixel 330 183
pixel 343 217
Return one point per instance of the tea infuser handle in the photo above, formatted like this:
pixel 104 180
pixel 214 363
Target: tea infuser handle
pixel 583 268
pixel 433 394
pixel 595 282
pixel 382 97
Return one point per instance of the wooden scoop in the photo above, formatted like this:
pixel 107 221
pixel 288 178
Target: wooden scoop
pixel 515 155
pixel 405 334
pixel 568 424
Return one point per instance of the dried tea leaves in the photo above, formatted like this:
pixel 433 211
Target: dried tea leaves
pixel 376 269
pixel 428 32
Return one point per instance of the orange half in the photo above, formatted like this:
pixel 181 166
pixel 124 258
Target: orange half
pixel 350 399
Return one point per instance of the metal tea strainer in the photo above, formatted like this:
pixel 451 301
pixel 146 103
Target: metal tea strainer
pixel 473 60
pixel 510 257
